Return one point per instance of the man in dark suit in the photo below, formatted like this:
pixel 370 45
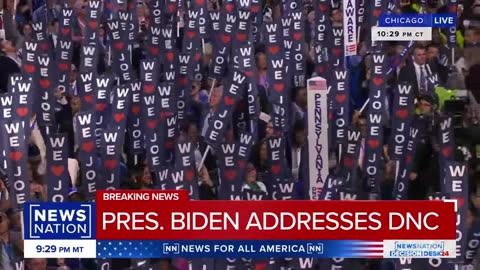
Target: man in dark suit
pixel 9 63
pixel 433 59
pixel 416 71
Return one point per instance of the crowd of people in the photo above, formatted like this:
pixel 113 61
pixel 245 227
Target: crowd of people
pixel 456 94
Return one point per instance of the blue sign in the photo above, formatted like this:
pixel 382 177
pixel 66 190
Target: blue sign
pixel 417 20
pixel 52 221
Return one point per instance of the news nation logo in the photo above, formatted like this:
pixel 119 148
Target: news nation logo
pixel 420 249
pixel 69 221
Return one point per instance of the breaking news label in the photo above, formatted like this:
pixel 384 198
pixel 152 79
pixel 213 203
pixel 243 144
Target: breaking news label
pixel 156 224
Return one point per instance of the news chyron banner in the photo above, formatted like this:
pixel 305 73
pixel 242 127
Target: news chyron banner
pixel 156 224
pixel 408 27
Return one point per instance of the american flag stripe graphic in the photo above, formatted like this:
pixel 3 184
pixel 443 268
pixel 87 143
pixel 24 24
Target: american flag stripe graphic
pixel 367 249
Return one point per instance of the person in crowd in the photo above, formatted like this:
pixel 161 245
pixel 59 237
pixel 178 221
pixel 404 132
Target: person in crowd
pixel 298 141
pixel 299 104
pixel 9 22
pixel 215 98
pixel 425 172
pixel 435 62
pixel 27 32
pixel 9 63
pixel 472 38
pixel 337 17
pixel 53 33
pixel 416 71
pixel 260 160
pixel 36 264
pixel 47 13
pixel 11 242
pixel 251 182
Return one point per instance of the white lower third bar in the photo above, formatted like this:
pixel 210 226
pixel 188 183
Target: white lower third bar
pixel 60 248
pixel 401 33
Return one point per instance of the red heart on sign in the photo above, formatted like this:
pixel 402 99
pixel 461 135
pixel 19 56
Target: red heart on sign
pixel 118 45
pixel 172 8
pixel 255 8
pixel 88 99
pixel 118 117
pixel 279 87
pixel 230 174
pixel 408 159
pixel 241 164
pixel 241 36
pixel 131 5
pixel 402 114
pixel 44 46
pixel 88 147
pixel 170 56
pixel 446 151
pixel 44 83
pixel 164 115
pixel 323 7
pixel 321 69
pixel 229 101
pixel 22 111
pixel 148 88
pixel 136 109
pixel 197 56
pixel 65 31
pixel 109 5
pixel 190 34
pixel 340 98
pixel 248 73
pixel 453 9
pixel 199 2
pixel 16 155
pixel 110 164
pixel 349 162
pixel 297 36
pixel 154 51
pixel 373 143
pixel 337 51
pixel 93 24
pixel 189 175
pixel 276 169
pixel 377 81
pixel 57 170
pixel 169 144
pixel 229 7
pixel 377 12
pixel 29 68
pixel 63 66
pixel 152 124
pixel 460 202
pixel 100 107
pixel 274 49
pixel 182 81
pixel 225 38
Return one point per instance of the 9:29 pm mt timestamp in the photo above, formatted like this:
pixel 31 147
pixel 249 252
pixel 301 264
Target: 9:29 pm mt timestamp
pixel 59 249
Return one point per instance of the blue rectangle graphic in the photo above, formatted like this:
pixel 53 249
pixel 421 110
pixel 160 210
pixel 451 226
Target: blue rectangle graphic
pixel 140 249
pixel 417 20
pixel 66 220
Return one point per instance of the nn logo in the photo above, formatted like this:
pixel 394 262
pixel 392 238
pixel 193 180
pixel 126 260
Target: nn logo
pixel 59 221
pixel 171 248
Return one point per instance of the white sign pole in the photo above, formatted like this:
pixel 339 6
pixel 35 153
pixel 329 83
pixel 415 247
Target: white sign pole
pixel 317 135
